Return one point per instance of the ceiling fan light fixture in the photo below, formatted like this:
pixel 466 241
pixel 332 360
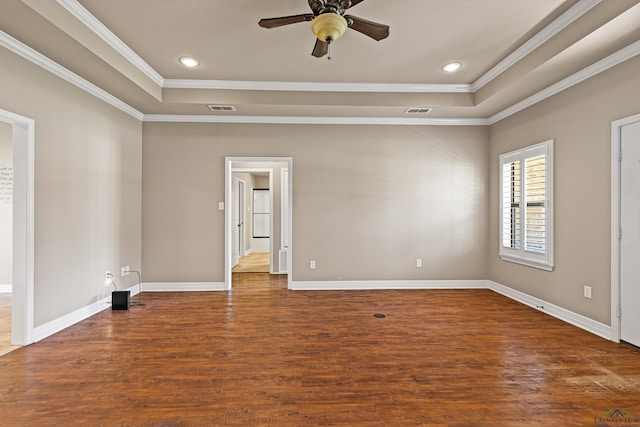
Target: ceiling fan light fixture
pixel 451 67
pixel 329 27
pixel 189 62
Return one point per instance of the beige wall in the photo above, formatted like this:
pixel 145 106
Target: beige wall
pixel 579 120
pixel 6 204
pixel 367 200
pixel 87 187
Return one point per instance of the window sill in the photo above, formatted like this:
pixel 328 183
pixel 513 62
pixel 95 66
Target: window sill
pixel 527 262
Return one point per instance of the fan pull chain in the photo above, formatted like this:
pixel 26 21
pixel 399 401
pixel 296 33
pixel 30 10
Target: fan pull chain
pixel 329 40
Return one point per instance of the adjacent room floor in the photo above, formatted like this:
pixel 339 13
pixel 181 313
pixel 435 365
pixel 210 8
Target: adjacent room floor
pixel 263 355
pixel 5 324
pixel 256 262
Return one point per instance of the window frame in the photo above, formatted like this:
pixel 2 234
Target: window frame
pixel 521 255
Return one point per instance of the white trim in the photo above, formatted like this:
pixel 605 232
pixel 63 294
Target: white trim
pixel 594 69
pixel 70 319
pixel 563 21
pixel 23 141
pixel 527 262
pixel 316 86
pixel 616 212
pixel 228 171
pixel 174 118
pixel 560 313
pixel 6 289
pixel 182 286
pixel 351 285
pixel 38 59
pixel 98 28
pixel 58 70
pixel 563 314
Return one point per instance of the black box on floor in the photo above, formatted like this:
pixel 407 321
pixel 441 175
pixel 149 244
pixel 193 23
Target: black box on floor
pixel 120 300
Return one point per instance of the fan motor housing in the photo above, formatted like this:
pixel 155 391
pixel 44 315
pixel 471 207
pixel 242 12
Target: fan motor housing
pixel 329 26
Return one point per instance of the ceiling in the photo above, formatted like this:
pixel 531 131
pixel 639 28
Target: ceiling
pixel 512 54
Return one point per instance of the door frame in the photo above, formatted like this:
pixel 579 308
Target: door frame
pixel 616 214
pixel 23 140
pixel 241 215
pixel 228 166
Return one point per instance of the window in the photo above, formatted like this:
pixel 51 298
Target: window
pixel 261 213
pixel 526 214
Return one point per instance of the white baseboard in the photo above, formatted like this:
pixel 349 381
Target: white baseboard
pixel 63 322
pixel 6 289
pixel 183 286
pixel 590 325
pixel 563 314
pixel 390 284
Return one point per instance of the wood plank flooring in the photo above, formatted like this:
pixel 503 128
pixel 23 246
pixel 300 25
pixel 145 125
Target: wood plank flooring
pixel 262 355
pixel 5 324
pixel 256 262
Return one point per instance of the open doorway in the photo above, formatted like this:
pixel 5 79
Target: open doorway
pixel 6 236
pixel 252 217
pixel 17 141
pixel 258 215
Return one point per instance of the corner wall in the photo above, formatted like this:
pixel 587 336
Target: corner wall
pixel 87 188
pixel 579 120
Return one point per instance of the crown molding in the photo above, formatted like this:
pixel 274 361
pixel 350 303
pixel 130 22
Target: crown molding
pixel 93 24
pixel 559 24
pixel 56 69
pixel 316 86
pixel 295 120
pixel 42 61
pixel 594 69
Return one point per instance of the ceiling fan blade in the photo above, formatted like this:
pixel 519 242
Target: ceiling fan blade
pixel 320 49
pixel 285 20
pixel 355 3
pixel 369 28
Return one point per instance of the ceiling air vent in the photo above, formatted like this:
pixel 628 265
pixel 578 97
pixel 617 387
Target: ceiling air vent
pixel 222 108
pixel 418 110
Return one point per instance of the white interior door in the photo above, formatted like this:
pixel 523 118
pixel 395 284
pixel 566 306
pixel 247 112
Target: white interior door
pixel 236 235
pixel 630 240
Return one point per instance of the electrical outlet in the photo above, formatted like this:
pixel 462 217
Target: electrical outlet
pixel 587 291
pixel 418 263
pixel 220 206
pixel 127 269
pixel 123 271
pixel 312 265
pixel 108 277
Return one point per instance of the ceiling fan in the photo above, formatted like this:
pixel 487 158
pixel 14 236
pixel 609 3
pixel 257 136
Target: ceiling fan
pixel 329 22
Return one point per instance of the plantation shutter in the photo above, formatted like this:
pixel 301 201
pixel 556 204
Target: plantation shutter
pixel 534 184
pixel 525 206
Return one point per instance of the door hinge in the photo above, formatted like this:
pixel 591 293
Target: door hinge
pixel 619 233
pixel 619 311
pixel 619 157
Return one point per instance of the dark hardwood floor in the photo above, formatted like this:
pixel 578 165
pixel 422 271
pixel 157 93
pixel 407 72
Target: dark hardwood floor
pixel 263 355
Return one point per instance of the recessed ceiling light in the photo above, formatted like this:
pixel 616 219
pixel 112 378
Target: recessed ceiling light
pixel 189 62
pixel 451 67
